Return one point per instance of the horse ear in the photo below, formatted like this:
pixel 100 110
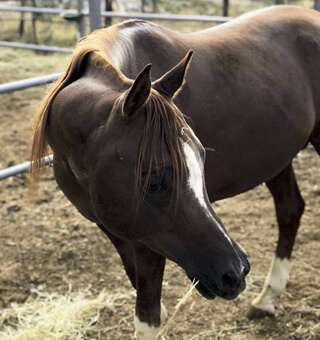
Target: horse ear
pixel 138 92
pixel 171 82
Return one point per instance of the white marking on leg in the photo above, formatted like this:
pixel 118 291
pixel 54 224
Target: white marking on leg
pixel 163 313
pixel 144 331
pixel 274 285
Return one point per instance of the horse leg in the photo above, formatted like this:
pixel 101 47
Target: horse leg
pixel 145 271
pixel 126 253
pixel 289 209
pixel 150 313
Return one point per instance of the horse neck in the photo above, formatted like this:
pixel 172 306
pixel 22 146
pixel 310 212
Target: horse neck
pixel 139 43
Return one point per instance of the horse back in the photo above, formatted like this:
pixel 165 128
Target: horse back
pixel 264 101
pixel 252 92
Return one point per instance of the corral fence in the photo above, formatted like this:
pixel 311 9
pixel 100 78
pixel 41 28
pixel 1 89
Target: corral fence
pixel 95 14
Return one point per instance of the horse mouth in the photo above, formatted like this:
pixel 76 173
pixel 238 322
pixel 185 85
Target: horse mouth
pixel 210 294
pixel 203 289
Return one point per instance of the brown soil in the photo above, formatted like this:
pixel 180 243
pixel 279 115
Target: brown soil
pixel 46 244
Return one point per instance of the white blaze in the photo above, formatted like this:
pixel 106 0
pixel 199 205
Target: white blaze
pixel 196 181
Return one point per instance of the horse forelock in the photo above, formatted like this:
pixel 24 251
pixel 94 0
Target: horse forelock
pixel 163 124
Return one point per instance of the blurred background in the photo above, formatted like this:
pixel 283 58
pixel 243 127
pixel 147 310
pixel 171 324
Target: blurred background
pixel 60 29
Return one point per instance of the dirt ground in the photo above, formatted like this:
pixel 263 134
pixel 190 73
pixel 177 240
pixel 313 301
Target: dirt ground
pixel 45 244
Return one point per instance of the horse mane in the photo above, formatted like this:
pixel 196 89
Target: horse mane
pixel 163 122
pixel 96 45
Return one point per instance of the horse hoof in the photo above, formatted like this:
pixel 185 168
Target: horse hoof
pixel 256 313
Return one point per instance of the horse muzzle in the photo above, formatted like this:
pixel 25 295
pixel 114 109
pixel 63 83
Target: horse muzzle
pixel 227 286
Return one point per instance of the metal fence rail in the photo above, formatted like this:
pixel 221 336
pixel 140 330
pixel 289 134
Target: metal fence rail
pixel 36 47
pixel 43 10
pixel 20 168
pixel 146 16
pixel 95 21
pixel 22 84
pixel 169 17
pixel 25 83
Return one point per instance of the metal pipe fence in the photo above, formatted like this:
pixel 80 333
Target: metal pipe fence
pixel 95 13
pixel 168 17
pixel 20 85
pixel 95 20
pixel 26 83
pixel 40 48
pixel 40 10
pixel 20 168
pixel 31 82
pixel 146 16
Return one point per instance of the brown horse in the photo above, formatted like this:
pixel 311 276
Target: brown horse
pixel 126 158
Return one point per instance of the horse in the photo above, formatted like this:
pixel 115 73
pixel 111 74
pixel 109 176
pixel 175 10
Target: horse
pixel 130 147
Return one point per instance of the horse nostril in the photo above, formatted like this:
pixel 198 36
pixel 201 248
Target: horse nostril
pixel 230 280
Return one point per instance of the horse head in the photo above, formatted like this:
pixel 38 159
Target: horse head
pixel 139 170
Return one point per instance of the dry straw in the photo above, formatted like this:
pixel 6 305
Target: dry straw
pixel 52 316
pixel 181 302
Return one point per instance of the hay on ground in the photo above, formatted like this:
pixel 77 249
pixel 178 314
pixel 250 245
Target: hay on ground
pixel 54 316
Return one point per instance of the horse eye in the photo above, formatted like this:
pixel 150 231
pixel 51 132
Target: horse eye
pixel 157 183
